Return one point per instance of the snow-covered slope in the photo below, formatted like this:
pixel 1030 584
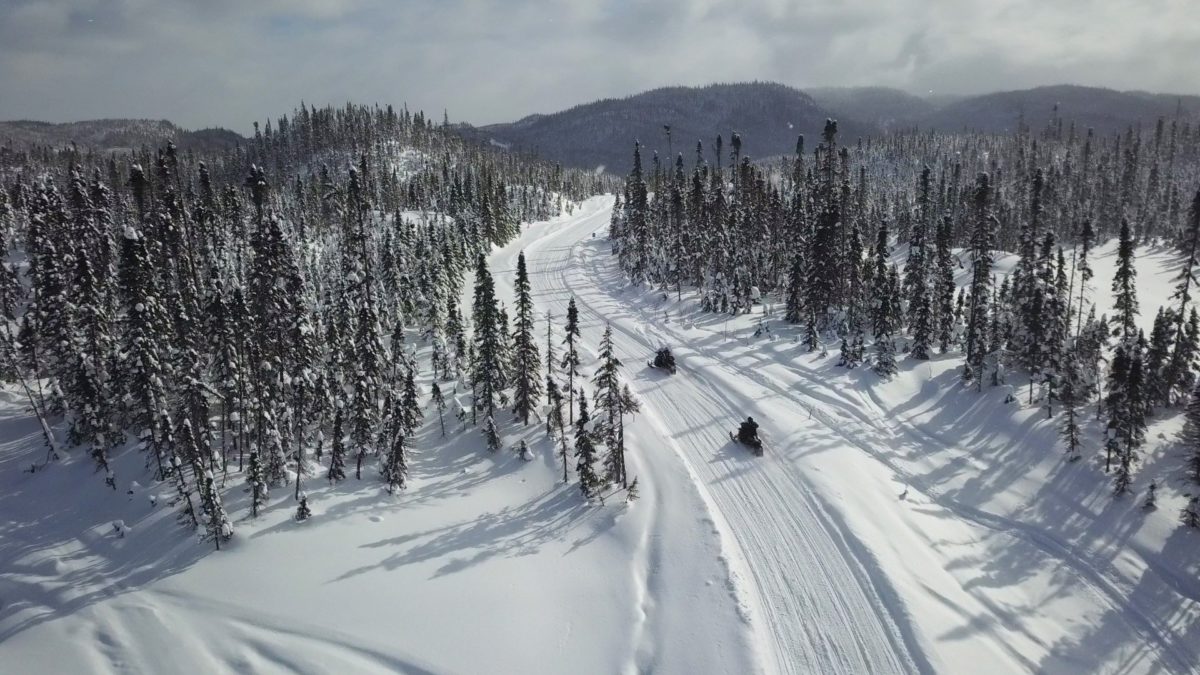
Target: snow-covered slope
pixel 910 525
pixel 485 564
pixel 903 526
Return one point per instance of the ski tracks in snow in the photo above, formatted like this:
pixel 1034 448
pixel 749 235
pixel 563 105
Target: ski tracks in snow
pixel 862 424
pixel 689 610
pixel 821 599
pixel 825 604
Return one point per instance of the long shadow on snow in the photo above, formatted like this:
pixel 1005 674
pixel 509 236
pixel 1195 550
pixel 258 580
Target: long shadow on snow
pixel 513 531
pixel 60 556
pixel 1107 640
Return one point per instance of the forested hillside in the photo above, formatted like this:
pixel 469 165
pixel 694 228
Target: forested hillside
pixel 769 116
pixel 229 312
pixel 862 244
pixel 115 135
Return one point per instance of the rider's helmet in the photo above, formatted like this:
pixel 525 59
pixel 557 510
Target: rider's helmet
pixel 749 419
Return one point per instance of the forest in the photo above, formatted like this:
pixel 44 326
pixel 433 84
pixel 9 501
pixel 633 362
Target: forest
pixel 255 312
pixel 250 318
pixel 861 243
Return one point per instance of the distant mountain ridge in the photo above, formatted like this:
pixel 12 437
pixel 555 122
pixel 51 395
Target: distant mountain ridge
pixel 115 135
pixel 888 109
pixel 769 117
pixel 1104 110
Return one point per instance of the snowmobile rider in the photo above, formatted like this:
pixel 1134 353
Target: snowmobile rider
pixel 749 430
pixel 663 358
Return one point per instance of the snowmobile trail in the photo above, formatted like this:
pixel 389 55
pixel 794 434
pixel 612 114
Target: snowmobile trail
pixel 671 630
pixel 859 417
pixel 839 575
pixel 825 603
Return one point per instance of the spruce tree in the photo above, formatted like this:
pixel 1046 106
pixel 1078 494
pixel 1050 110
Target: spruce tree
pixel 1128 420
pixel 491 434
pixel 886 320
pixel 395 464
pixel 1115 403
pixel 1028 285
pixel 303 512
pixel 368 376
pixel 457 334
pixel 1124 287
pixel 585 453
pixel 526 365
pixel 916 273
pixel 1071 395
pixel 570 360
pixel 607 397
pixel 258 484
pixel 1178 370
pixel 487 375
pixel 944 286
pixel 213 517
pixel 551 357
pixel 1087 237
pixel 981 277
pixel 337 451
pixel 556 423
pixel 410 404
pixel 617 400
pixel 439 403
pixel 794 311
pixel 1158 355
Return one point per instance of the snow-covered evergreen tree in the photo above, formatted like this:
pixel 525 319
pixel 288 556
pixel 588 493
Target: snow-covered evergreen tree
pixel 570 361
pixel 526 364
pixel 585 453
pixel 981 279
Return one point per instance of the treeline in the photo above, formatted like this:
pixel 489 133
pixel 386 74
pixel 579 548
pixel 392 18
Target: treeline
pixel 820 231
pixel 246 312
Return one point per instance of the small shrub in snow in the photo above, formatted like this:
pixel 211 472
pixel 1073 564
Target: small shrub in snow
pixel 303 513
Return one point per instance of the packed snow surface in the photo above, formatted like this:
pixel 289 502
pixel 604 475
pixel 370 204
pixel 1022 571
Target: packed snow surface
pixel 905 526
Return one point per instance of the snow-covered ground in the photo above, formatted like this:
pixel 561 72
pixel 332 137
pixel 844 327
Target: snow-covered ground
pixel 903 526
pixel 907 525
pixel 485 564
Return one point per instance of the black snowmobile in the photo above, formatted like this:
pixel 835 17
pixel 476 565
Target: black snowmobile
pixel 747 434
pixel 663 360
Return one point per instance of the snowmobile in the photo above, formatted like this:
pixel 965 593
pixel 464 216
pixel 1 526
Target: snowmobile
pixel 747 434
pixel 663 360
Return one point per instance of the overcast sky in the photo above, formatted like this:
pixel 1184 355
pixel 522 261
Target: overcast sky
pixel 228 62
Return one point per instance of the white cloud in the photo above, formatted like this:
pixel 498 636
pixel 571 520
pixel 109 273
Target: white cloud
pixel 228 62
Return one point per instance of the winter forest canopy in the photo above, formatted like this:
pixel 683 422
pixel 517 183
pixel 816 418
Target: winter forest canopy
pixel 861 244
pixel 246 313
pixel 253 312
pixel 233 326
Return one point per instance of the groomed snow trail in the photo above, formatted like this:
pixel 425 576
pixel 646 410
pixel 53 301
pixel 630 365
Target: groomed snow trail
pixel 681 563
pixel 867 538
pixel 827 606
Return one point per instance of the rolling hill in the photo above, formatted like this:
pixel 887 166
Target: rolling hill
pixel 115 135
pixel 768 116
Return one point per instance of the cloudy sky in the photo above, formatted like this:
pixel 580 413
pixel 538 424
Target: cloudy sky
pixel 228 62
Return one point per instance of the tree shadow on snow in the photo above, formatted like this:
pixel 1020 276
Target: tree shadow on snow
pixel 512 531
